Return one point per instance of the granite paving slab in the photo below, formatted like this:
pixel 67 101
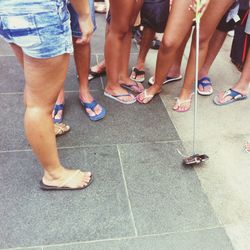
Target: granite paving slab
pixel 165 196
pixel 122 124
pixel 212 239
pixel 32 217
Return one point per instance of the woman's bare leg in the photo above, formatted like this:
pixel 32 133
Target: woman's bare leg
pixel 148 36
pixel 44 79
pixel 123 13
pixel 82 61
pixel 175 32
pixel 209 22
pixel 124 74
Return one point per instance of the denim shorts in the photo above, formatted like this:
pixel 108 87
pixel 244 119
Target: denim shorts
pixel 76 32
pixel 40 27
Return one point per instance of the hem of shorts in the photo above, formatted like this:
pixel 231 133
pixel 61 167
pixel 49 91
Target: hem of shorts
pixel 47 56
pixel 156 30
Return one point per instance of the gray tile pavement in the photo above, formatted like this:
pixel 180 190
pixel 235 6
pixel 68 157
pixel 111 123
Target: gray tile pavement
pixel 215 239
pixel 140 194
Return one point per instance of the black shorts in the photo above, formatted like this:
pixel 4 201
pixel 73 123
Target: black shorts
pixel 154 14
pixel 224 26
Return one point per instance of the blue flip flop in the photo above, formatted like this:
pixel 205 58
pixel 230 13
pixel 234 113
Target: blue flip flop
pixel 205 82
pixel 235 95
pixel 92 106
pixel 57 108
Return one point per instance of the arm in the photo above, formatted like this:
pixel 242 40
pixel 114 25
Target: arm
pixel 84 19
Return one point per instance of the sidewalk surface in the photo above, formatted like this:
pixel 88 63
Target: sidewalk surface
pixel 142 196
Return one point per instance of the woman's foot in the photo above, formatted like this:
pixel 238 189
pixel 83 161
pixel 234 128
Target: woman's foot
pixel 183 103
pixel 66 179
pixel 97 70
pixel 131 85
pixel 57 113
pixel 168 79
pixel 230 96
pixel 147 95
pixel 92 111
pixel 137 74
pixel 120 94
pixel 61 128
pixel 205 87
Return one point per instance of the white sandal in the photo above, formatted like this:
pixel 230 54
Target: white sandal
pixel 179 103
pixel 146 98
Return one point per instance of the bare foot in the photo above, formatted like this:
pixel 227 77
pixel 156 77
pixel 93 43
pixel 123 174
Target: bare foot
pixel 183 103
pixel 68 178
pixel 138 74
pixel 88 98
pixel 148 94
pixel 121 93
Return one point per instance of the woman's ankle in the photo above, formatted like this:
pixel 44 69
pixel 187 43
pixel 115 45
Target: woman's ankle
pixel 54 173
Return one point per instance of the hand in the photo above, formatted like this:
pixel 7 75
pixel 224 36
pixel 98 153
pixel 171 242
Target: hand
pixel 202 7
pixel 87 29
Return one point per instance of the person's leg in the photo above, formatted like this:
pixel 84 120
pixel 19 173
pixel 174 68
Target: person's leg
pixel 175 32
pixel 241 86
pixel 209 22
pixel 124 78
pixel 44 78
pixel 214 47
pixel 174 73
pixel 121 23
pixel 82 61
pixel 57 113
pixel 175 70
pixel 148 35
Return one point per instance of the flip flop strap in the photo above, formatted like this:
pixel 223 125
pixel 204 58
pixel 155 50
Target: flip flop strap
pixel 58 107
pixel 205 79
pixel 234 94
pixel 138 72
pixel 203 83
pixel 90 105
pixel 70 178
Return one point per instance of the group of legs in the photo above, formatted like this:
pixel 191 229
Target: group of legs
pixel 176 34
pixel 45 74
pixel 82 61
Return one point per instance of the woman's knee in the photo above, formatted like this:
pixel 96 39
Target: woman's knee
pixel 170 44
pixel 120 31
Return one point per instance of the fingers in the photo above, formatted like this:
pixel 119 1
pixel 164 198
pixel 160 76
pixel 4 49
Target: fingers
pixel 87 29
pixel 84 39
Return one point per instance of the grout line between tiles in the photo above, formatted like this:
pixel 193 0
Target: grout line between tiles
pixel 126 189
pixel 120 238
pixel 93 145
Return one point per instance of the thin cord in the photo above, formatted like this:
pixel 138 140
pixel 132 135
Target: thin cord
pixel 196 83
